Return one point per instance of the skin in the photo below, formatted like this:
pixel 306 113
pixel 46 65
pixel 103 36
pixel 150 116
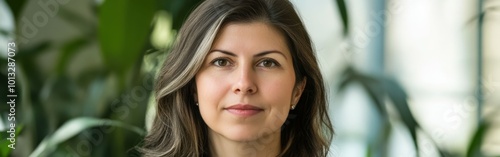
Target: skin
pixel 249 63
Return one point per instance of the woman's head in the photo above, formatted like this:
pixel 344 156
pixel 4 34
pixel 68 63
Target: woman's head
pixel 246 85
pixel 236 70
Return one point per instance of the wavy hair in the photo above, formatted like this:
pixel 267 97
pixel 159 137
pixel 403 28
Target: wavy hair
pixel 178 128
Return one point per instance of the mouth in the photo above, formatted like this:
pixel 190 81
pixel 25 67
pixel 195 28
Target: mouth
pixel 244 110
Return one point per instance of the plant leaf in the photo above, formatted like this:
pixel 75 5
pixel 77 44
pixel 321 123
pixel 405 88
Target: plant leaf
pixel 375 92
pixel 399 98
pixel 180 10
pixel 474 147
pixel 67 52
pixel 123 30
pixel 4 32
pixel 74 127
pixel 343 15
pixel 370 84
pixel 33 51
pixel 4 149
pixel 16 6
pixel 347 78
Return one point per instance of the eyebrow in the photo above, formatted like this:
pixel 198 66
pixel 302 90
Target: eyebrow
pixel 256 55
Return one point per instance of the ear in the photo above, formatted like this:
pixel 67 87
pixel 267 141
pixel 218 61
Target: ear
pixel 297 92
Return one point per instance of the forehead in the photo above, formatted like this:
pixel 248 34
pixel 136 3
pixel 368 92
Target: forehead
pixel 251 37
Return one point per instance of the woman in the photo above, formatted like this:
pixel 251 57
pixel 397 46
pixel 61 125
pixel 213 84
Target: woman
pixel 241 80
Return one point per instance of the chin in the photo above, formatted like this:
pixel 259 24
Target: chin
pixel 242 137
pixel 247 134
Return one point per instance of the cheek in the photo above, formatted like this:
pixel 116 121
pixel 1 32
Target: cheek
pixel 278 91
pixel 210 89
pixel 208 94
pixel 277 94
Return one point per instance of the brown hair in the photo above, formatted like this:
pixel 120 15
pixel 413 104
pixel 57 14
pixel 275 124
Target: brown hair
pixel 179 130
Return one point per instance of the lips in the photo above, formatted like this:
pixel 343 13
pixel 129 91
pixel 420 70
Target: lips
pixel 244 110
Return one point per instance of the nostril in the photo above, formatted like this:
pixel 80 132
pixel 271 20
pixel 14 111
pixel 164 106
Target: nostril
pixel 247 91
pixel 245 87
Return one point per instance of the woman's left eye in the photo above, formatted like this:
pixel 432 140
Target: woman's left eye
pixel 268 63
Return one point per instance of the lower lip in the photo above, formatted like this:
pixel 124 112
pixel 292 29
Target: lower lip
pixel 243 112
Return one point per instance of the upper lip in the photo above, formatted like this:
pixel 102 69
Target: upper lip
pixel 244 107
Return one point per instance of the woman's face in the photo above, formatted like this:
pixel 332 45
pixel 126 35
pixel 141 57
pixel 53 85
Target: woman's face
pixel 246 86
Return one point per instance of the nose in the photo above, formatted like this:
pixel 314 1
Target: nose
pixel 245 83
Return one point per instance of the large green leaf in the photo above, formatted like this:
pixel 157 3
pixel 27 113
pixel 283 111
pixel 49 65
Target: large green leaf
pixel 399 98
pixel 5 150
pixel 180 10
pixel 343 15
pixel 377 89
pixel 33 51
pixel 67 51
pixel 4 32
pixel 123 30
pixel 16 6
pixel 74 127
pixel 485 123
pixel 475 144
pixel 371 85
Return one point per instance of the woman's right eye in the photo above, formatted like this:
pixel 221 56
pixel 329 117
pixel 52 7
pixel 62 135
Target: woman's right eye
pixel 221 62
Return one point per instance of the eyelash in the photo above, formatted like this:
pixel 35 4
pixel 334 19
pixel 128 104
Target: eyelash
pixel 214 62
pixel 273 61
pixel 276 64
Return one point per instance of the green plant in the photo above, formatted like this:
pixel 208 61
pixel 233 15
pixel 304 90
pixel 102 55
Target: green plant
pixel 81 109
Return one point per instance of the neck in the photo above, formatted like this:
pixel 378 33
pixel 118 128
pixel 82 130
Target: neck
pixel 267 146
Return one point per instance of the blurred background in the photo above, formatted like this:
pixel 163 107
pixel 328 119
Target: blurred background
pixel 404 77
